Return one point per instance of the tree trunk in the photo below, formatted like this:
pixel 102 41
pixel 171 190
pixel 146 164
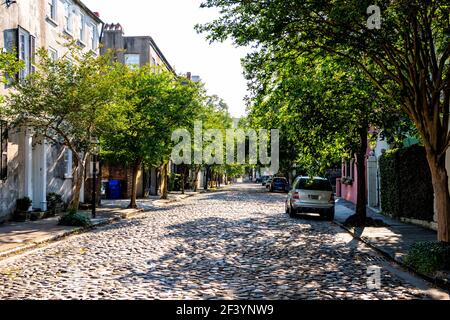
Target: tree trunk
pixel 164 184
pixel 136 166
pixel 196 171
pixel 183 177
pixel 205 183
pixel 439 179
pixel 79 174
pixel 361 200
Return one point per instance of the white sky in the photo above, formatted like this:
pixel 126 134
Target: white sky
pixel 171 24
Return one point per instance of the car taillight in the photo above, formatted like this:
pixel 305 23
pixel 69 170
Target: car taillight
pixel 296 195
pixel 332 198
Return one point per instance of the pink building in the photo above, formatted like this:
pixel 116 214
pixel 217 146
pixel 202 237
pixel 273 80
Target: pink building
pixel 346 186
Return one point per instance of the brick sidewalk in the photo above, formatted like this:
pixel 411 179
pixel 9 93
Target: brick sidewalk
pixel 16 237
pixel 395 239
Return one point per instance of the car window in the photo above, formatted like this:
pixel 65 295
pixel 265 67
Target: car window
pixel 279 180
pixel 314 184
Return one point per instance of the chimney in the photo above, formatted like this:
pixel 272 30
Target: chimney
pixel 188 75
pixel 97 14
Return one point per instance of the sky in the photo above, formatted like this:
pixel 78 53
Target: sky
pixel 171 24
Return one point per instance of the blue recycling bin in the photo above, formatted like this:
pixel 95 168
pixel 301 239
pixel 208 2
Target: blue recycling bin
pixel 115 189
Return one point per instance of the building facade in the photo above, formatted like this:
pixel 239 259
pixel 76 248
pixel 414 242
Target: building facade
pixel 31 166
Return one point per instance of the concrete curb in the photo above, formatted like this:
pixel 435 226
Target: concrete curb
pixel 60 235
pixel 442 284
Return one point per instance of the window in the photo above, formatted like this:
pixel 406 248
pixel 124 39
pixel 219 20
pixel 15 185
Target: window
pixel 132 60
pixel 52 5
pixel 347 168
pixel 314 184
pixel 24 53
pixel 82 28
pixel 3 151
pixel 53 54
pixel 68 164
pixel 67 17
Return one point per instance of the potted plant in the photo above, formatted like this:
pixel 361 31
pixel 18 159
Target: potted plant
pixel 22 209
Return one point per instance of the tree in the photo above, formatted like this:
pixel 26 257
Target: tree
pixel 156 102
pixel 9 65
pixel 412 49
pixel 69 101
pixel 324 109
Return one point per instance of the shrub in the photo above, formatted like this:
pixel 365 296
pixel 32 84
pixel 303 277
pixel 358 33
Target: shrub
pixel 405 183
pixel 23 204
pixel 429 257
pixel 75 219
pixel 54 201
pixel 174 182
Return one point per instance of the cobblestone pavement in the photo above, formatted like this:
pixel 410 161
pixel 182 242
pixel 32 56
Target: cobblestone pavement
pixel 233 244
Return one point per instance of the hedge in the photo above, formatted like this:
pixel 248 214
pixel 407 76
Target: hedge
pixel 405 184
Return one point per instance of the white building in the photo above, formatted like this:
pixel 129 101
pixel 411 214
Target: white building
pixel 31 166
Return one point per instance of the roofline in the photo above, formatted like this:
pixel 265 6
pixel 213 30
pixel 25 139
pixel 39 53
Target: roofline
pixel 88 11
pixel 158 51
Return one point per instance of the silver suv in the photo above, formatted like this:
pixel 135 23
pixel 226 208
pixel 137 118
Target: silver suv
pixel 311 194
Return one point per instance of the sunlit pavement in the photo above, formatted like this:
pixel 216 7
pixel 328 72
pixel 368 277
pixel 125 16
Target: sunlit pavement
pixel 232 244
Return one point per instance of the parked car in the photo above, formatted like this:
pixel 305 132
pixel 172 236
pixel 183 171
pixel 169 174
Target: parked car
pixel 311 195
pixel 279 184
pixel 268 182
pixel 258 180
pixel 264 179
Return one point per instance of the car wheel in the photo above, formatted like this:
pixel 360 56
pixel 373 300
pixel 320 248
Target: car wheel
pixel 292 213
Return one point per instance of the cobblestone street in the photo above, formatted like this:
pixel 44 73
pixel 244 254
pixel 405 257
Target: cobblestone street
pixel 232 244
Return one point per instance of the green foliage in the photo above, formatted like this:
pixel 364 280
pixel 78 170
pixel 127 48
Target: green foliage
pixel 9 65
pixel 429 257
pixel 320 105
pixel 155 103
pixel 405 183
pixel 174 182
pixel 54 201
pixel 75 219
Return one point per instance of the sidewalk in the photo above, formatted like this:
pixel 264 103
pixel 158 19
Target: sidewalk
pixel 393 240
pixel 16 237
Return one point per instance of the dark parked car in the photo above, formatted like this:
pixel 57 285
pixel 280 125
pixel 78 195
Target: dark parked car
pixel 264 179
pixel 279 184
pixel 258 180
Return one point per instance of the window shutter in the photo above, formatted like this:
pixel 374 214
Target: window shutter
pixel 3 151
pixel 32 47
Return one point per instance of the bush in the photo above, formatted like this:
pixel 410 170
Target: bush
pixel 429 257
pixel 23 204
pixel 174 182
pixel 405 184
pixel 54 202
pixel 75 219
